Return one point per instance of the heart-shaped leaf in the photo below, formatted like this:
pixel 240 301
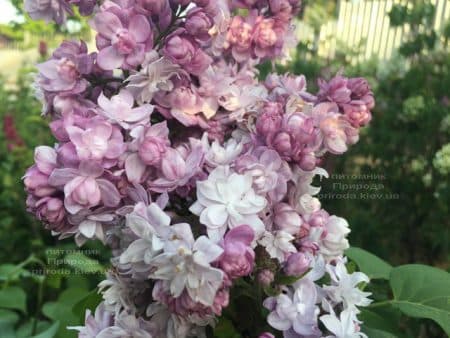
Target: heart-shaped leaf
pixel 368 263
pixel 423 292
pixel 13 298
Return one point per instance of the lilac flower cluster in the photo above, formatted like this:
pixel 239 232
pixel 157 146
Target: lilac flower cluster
pixel 196 174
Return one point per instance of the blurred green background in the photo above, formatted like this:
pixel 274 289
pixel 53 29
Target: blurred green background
pixel 393 186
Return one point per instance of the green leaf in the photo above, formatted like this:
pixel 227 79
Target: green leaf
pixel 423 292
pixel 62 310
pixel 82 263
pixel 385 320
pixel 8 317
pixel 11 272
pixel 25 330
pixel 375 333
pixel 286 280
pixel 368 263
pixel 13 298
pixel 225 329
pixel 90 302
pixel 49 333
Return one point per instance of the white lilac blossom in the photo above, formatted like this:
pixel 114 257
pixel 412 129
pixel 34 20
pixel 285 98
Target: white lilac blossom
pixel 185 264
pixel 217 155
pixel 119 109
pixel 155 76
pixel 335 242
pixel 278 244
pixel 295 310
pixel 344 287
pixel 344 326
pixel 226 200
pixel 95 325
pixel 151 226
pixel 197 175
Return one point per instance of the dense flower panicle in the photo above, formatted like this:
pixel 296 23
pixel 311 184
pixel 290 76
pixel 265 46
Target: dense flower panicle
pixel 196 174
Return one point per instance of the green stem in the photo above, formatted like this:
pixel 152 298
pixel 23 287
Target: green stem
pixel 40 297
pixel 380 304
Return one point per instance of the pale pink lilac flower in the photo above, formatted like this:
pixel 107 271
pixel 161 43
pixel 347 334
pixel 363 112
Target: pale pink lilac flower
pixel 48 10
pixel 158 10
pixel 265 277
pixel 47 209
pixel 187 308
pixel 297 264
pixel 344 326
pixel 121 44
pixel 226 200
pixel 182 49
pixel 239 37
pixel 278 244
pixel 266 335
pixel 119 110
pixel 238 257
pixel 63 73
pixel 95 325
pixel 185 264
pixel 344 287
pixel 36 179
pixel 84 187
pixel 155 75
pixel 295 309
pixel 178 168
pixel 335 241
pixel 286 218
pixel 100 140
pixel 352 95
pixel 269 172
pixel 198 23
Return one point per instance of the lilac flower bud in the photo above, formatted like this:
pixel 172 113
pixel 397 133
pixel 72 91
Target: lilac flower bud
pixel 266 335
pixel 50 210
pixel 266 277
pixel 36 182
pixel 335 90
pixel 67 155
pixel 238 257
pixel 359 88
pixel 152 7
pixel 307 161
pixel 173 165
pixel 184 99
pixel 122 43
pixel 183 50
pixel 281 142
pixel 201 3
pixel 198 24
pixel 239 37
pixel 84 192
pixel 357 113
pixel 297 264
pixel 151 150
pixel 319 218
pixel 86 7
pixel 265 37
pixel 270 120
pixel 45 159
pixel 286 218
pixel 47 10
pixel 221 301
